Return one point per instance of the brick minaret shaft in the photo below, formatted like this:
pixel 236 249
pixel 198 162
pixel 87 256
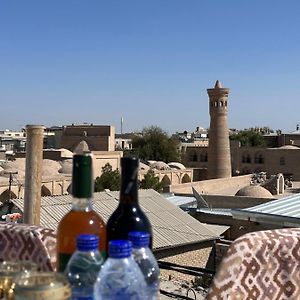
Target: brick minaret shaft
pixel 219 161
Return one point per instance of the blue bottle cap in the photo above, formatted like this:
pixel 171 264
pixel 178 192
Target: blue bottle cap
pixel 119 248
pixel 139 239
pixel 87 242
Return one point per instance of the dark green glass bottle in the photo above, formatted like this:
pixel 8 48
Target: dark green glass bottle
pixel 128 216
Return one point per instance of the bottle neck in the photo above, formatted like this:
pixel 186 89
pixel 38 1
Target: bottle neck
pixel 129 189
pixel 82 204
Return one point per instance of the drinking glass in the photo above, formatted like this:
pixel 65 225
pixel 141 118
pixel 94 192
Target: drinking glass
pixel 8 271
pixel 42 286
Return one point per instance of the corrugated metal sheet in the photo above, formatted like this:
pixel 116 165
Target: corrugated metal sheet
pixel 284 211
pixel 287 206
pixel 215 211
pixel 171 225
pixel 182 200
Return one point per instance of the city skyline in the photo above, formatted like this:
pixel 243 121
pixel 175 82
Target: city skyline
pixel 149 63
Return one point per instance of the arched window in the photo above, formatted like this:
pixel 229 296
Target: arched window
pixel 221 103
pixel 166 180
pixel 6 195
pixel 216 103
pixel 186 178
pixel 45 191
pixel 282 161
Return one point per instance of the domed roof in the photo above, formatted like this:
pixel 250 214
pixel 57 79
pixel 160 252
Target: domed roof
pixel 144 166
pixel 159 165
pixel 82 147
pixel 66 167
pixel 176 165
pixel 255 191
pixel 50 168
pixel 289 147
pixel 66 153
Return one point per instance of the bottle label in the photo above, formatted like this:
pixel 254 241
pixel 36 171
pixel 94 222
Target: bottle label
pixel 63 259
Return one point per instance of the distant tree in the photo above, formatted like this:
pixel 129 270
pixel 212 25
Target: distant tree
pixel 151 181
pixel 109 179
pixel 155 144
pixel 249 138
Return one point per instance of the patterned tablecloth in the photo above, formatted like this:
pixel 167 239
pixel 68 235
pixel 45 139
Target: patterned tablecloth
pixel 260 265
pixel 28 242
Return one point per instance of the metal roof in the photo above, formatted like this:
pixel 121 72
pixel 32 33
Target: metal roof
pixel 179 200
pixel 284 211
pixel 215 211
pixel 171 225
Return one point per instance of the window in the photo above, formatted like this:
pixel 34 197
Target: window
pixel 246 158
pixel 203 157
pixel 193 156
pixel 259 158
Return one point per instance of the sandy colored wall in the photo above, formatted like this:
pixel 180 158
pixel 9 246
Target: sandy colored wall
pixel 221 186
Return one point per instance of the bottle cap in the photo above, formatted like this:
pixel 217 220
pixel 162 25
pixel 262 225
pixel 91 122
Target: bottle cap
pixel 139 239
pixel 120 248
pixel 87 242
pixel 82 179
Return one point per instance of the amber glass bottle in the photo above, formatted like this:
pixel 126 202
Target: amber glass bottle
pixel 82 219
pixel 128 216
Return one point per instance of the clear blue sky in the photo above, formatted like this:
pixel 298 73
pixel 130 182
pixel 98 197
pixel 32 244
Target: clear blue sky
pixel 151 62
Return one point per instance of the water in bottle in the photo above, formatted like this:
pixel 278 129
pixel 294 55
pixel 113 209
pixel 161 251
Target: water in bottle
pixel 84 266
pixel 120 277
pixel 146 261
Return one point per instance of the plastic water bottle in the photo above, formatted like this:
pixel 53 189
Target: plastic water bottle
pixel 84 266
pixel 120 277
pixel 146 261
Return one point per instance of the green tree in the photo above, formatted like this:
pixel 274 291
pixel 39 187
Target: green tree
pixel 250 138
pixel 155 144
pixel 109 179
pixel 151 181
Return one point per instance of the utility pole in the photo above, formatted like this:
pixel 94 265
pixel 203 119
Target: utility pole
pixel 10 172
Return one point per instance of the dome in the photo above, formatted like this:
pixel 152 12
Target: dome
pixel 255 191
pixel 66 167
pixel 176 165
pixel 160 165
pixel 65 153
pixel 289 147
pixel 82 147
pixel 144 167
pixel 12 166
pixel 50 167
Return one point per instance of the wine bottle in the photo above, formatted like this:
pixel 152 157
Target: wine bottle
pixel 81 219
pixel 128 216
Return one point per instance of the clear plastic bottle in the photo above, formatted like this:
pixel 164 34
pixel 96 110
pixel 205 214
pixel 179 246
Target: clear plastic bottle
pixel 146 261
pixel 120 277
pixel 84 266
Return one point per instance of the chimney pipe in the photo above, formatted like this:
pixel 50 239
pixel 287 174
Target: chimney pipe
pixel 33 173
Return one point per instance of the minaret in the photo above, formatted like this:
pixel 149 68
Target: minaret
pixel 219 161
